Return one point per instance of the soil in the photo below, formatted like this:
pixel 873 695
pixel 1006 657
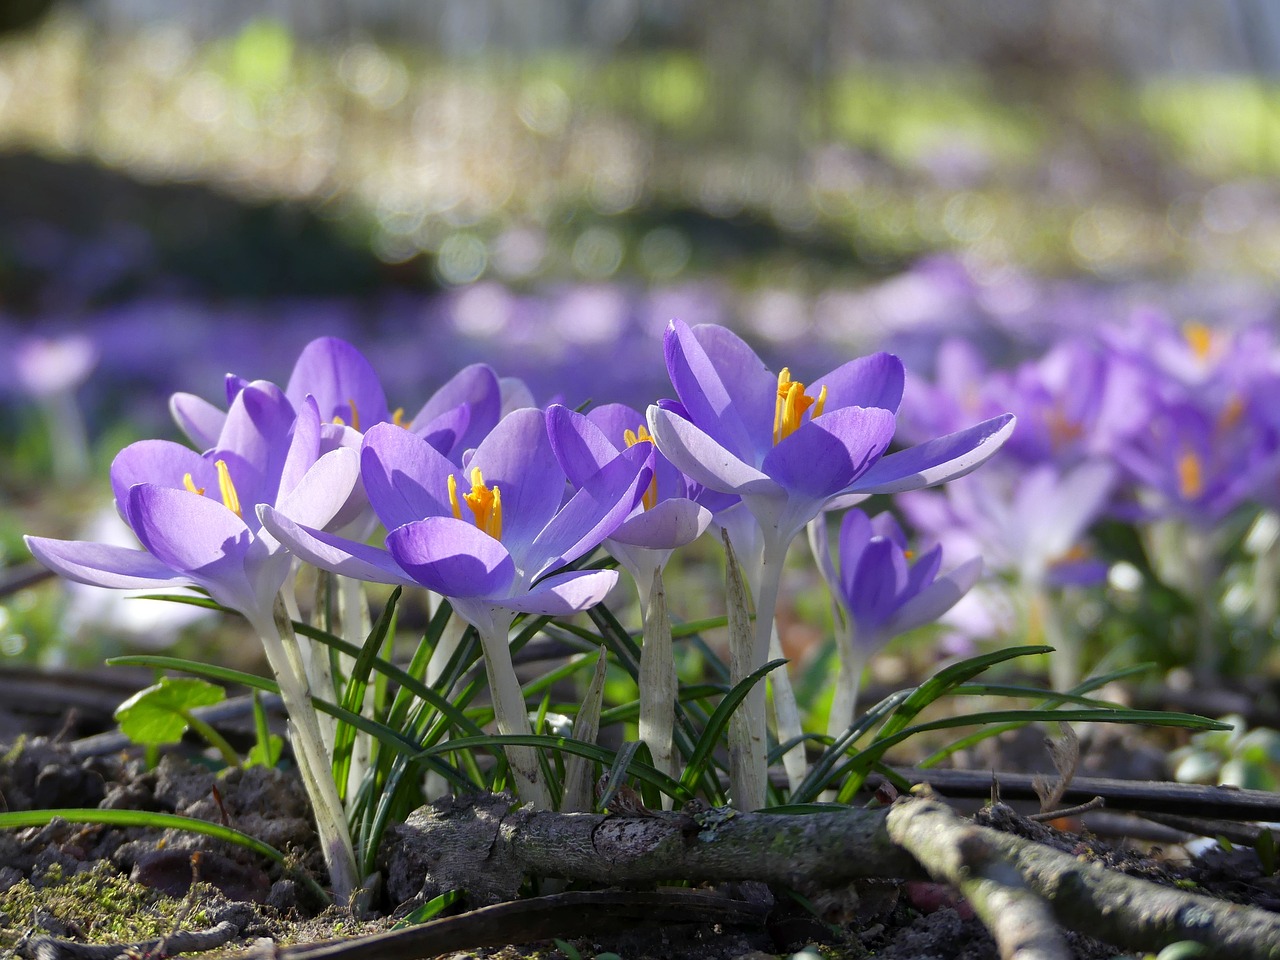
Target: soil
pixel 102 884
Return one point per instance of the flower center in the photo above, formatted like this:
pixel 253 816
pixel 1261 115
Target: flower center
pixel 1199 338
pixel 355 417
pixel 632 437
pixel 398 418
pixel 485 504
pixel 226 488
pixel 1190 476
pixel 790 407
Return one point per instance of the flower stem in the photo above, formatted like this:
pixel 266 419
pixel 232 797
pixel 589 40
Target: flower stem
pixel 283 654
pixel 512 715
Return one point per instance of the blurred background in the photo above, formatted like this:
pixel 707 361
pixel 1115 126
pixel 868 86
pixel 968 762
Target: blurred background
pixel 190 188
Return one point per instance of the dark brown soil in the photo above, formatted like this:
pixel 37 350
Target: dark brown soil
pixel 888 919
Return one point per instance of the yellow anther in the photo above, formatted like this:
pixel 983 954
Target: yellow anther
pixel 227 488
pixel 1199 338
pixel 1190 476
pixel 792 403
pixel 641 435
pixel 632 437
pixel 355 416
pixel 191 485
pixel 485 504
pixel 398 418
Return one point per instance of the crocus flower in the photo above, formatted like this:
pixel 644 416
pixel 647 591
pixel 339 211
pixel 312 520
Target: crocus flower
pixel 880 594
pixel 493 538
pixel 791 450
pixel 194 515
pixel 666 518
pixel 348 393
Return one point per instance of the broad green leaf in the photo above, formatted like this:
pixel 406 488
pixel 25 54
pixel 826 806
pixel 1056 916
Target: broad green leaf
pixel 160 714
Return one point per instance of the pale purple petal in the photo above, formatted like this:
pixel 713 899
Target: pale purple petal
pixel 406 478
pixel 187 532
pixel 665 526
pixel 199 419
pixel 824 456
pixel 615 419
pixel 476 387
pixel 565 593
pixel 937 598
pixel 701 458
pixel 304 448
pixel 592 514
pixel 581 447
pixel 162 462
pixel 339 377
pixel 877 584
pixel 331 552
pixel 923 571
pixel 722 392
pixel 446 430
pixel 873 381
pixel 452 557
pixel 324 489
pixel 199 537
pixel 255 441
pixel 104 564
pixel 936 461
pixel 517 457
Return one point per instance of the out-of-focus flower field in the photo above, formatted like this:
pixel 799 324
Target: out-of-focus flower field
pixel 1092 246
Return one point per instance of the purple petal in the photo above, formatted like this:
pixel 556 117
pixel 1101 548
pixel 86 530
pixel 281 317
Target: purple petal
pixel 565 593
pixel 161 462
pixel 936 461
pixel 406 478
pixel 338 376
pixel 446 430
pixel 255 441
pixel 476 387
pixel 670 524
pixel 304 449
pixel 873 381
pixel 104 565
pixel 324 489
pixel 877 584
pixel 517 457
pixel 232 385
pixel 199 419
pixel 936 599
pixel 696 454
pixel 923 571
pixel 855 534
pixel 592 514
pixel 331 552
pixel 615 419
pixel 824 456
pixel 196 536
pixel 452 557
pixel 581 447
pixel 725 392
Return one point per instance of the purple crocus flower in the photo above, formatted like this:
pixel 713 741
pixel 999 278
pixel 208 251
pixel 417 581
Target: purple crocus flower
pixel 667 516
pixel 348 393
pixel 790 451
pixel 493 538
pixel 194 515
pixel 880 593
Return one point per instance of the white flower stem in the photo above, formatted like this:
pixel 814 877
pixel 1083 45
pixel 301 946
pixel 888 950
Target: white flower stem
pixel 749 651
pixel 511 714
pixel 314 763
pixel 786 714
pixel 658 680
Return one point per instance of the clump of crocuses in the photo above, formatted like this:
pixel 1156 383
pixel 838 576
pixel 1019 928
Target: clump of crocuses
pixel 495 505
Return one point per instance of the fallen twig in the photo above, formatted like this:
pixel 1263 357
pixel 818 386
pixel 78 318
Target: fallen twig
pixel 574 914
pixel 193 941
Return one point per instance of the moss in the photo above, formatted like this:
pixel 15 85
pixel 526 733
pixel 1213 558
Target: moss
pixel 98 904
